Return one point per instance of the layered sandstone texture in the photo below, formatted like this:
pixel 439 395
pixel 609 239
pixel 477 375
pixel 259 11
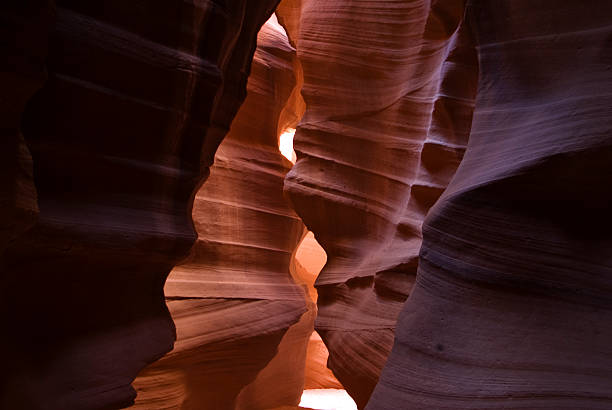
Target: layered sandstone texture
pixel 137 98
pixel 512 305
pixel 389 90
pixel 242 321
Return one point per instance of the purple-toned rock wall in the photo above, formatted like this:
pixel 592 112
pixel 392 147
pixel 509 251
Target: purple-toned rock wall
pixel 138 97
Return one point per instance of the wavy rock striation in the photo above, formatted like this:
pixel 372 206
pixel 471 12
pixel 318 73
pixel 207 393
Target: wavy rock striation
pixel 385 127
pixel 234 301
pixel 512 306
pixel 138 97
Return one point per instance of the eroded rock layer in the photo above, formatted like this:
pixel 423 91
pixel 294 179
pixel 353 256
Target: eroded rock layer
pixel 138 96
pixel 234 301
pixel 389 89
pixel 512 305
pixel 309 260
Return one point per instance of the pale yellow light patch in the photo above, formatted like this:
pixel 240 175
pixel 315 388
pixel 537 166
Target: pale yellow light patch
pixel 285 144
pixel 327 399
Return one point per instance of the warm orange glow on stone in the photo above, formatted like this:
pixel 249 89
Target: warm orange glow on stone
pixel 285 144
pixel 322 389
pixel 312 257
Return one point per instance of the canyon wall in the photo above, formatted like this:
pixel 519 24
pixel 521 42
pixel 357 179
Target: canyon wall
pixel 138 96
pixel 234 302
pixel 512 304
pixel 389 91
pixel 111 116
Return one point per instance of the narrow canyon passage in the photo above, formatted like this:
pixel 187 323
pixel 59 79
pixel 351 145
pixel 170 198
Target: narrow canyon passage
pixel 305 204
pixel 244 301
pixel 321 388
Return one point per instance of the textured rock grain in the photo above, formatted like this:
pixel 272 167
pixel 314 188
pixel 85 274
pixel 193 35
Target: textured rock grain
pixel 138 96
pixel 234 301
pixel 512 307
pixel 385 127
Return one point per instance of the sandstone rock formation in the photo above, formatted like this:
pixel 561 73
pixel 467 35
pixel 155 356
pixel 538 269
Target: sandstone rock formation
pixel 309 260
pixel 138 96
pixel 512 306
pixel 385 126
pixel 110 117
pixel 235 304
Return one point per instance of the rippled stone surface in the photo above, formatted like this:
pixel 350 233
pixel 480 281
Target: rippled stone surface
pixel 138 96
pixel 389 92
pixel 237 309
pixel 511 307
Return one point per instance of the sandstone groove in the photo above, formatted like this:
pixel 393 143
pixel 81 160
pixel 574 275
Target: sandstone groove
pixel 138 96
pixel 234 301
pixel 384 129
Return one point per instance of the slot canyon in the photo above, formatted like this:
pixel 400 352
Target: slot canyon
pixel 306 204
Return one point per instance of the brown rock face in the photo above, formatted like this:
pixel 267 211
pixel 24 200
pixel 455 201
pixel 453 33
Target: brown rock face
pixel 138 97
pixel 385 127
pixel 512 306
pixel 234 300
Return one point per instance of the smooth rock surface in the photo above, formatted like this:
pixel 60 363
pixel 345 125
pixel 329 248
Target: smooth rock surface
pixel 240 317
pixel 512 305
pixel 309 260
pixel 110 117
pixel 385 127
pixel 138 96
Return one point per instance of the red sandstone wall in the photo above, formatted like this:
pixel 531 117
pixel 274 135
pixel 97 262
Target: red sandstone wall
pixel 389 92
pixel 234 302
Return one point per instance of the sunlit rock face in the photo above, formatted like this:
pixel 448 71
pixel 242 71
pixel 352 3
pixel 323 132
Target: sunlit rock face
pixel 389 91
pixel 309 260
pixel 138 96
pixel 242 321
pixel 512 303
